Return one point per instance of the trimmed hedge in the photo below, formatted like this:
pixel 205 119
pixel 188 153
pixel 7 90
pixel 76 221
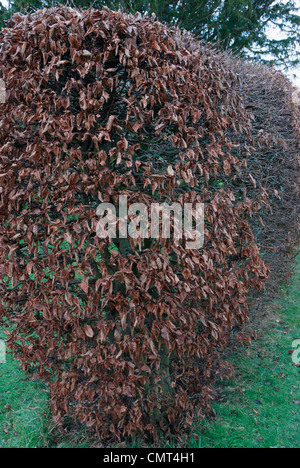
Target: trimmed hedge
pixel 129 335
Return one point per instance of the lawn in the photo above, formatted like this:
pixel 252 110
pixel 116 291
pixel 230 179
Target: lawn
pixel 24 409
pixel 258 409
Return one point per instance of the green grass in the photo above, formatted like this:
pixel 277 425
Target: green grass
pixel 258 409
pixel 24 409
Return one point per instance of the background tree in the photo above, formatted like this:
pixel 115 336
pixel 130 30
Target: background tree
pixel 4 14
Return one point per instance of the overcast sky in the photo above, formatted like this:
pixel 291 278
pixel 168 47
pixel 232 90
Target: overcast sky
pixel 276 33
pixel 273 32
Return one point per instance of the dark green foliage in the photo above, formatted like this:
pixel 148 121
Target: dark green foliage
pixel 3 15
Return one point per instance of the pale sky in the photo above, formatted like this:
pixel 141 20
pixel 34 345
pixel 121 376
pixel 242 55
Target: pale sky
pixel 276 33
pixel 273 32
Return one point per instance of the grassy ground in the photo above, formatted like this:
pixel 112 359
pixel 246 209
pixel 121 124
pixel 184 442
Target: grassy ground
pixel 259 409
pixel 24 411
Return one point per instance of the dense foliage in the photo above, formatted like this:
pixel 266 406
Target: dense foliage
pixel 99 104
pixel 241 25
pixel 274 162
